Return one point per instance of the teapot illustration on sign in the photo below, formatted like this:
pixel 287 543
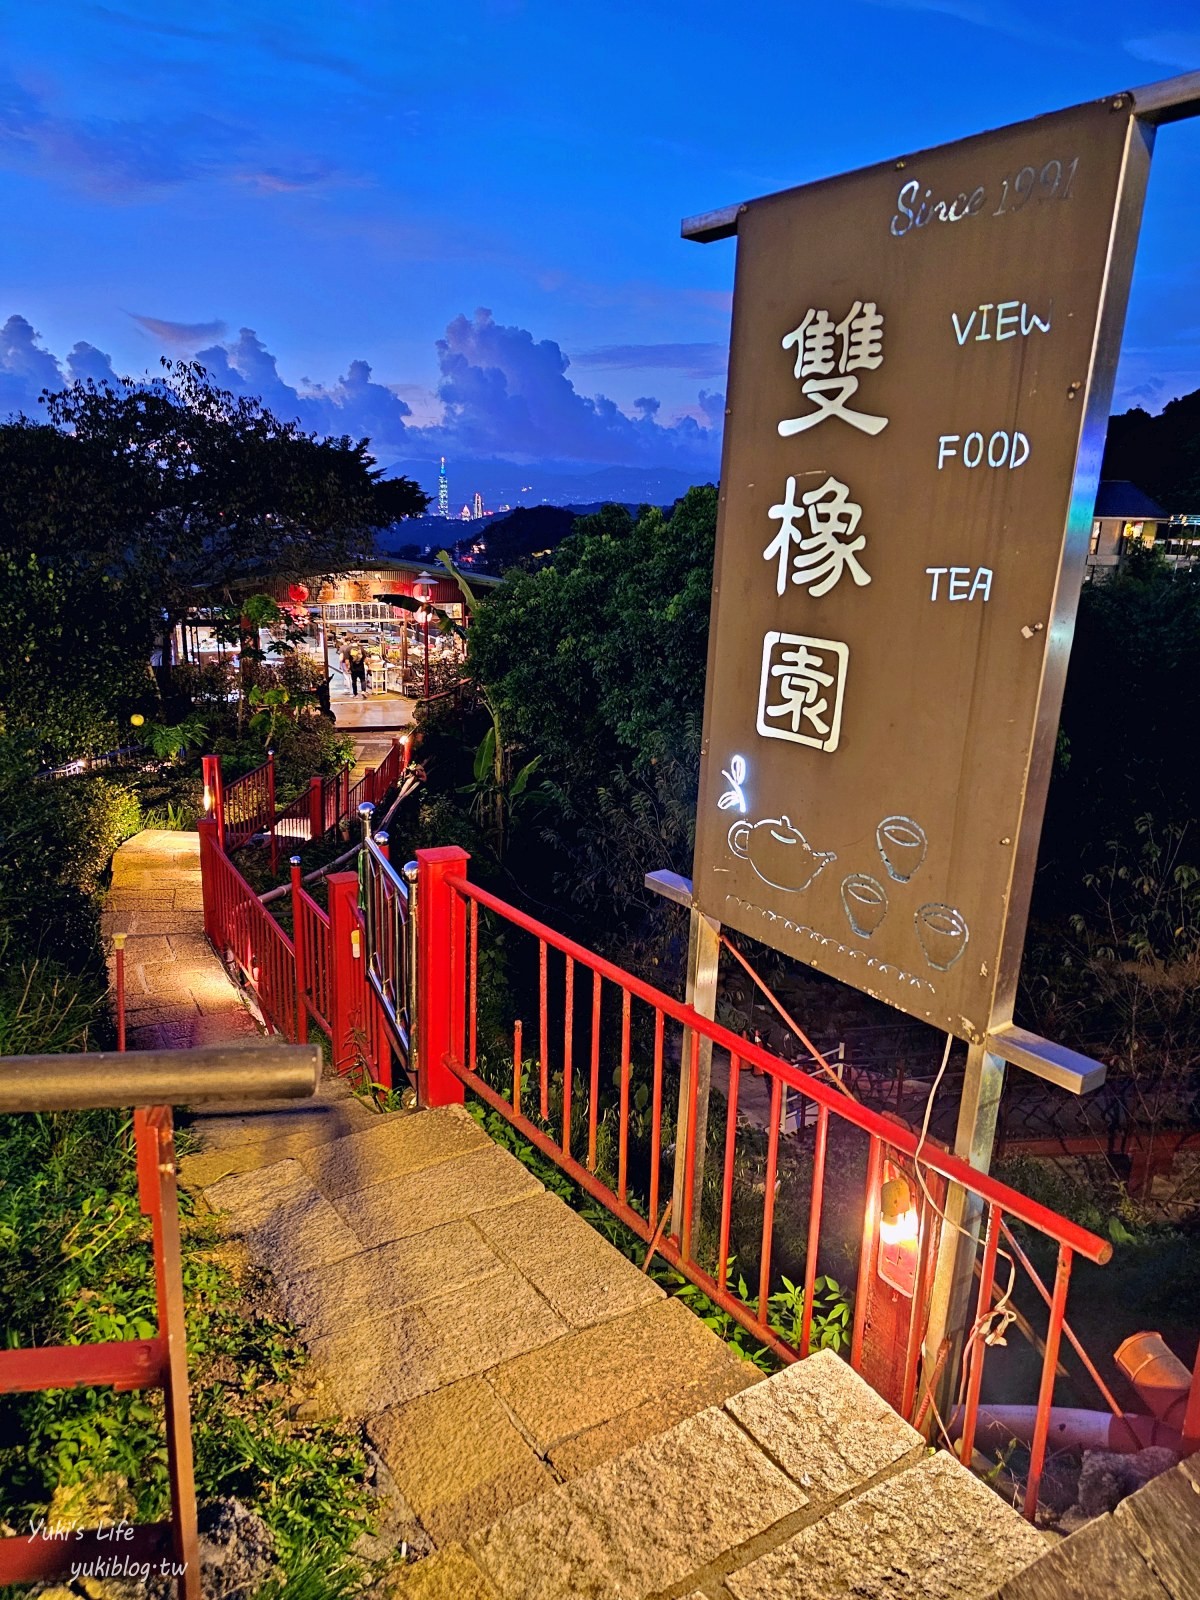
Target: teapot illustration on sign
pixel 779 853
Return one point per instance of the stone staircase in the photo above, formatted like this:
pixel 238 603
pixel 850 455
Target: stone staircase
pixel 547 1424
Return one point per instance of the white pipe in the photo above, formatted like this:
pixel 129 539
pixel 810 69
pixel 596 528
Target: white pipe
pixel 1070 1428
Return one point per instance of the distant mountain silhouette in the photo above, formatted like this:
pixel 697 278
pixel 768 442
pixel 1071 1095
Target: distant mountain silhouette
pixel 1160 454
pixel 552 483
pixel 514 539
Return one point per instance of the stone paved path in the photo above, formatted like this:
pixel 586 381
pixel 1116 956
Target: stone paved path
pixel 177 993
pixel 551 1426
pixel 375 712
pixel 547 1425
pixel 369 751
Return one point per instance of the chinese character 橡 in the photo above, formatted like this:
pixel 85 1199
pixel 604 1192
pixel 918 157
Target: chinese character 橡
pixel 830 548
pixel 801 689
pixel 827 359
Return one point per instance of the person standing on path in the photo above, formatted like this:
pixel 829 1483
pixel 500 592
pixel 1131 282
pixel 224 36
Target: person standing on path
pixel 356 661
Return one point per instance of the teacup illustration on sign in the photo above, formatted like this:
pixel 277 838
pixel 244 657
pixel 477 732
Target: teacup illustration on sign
pixel 779 853
pixel 865 903
pixel 902 844
pixel 943 934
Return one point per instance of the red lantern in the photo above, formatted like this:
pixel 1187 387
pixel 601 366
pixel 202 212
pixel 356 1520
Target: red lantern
pixel 297 593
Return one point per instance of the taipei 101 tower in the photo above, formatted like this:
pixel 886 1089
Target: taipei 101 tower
pixel 443 492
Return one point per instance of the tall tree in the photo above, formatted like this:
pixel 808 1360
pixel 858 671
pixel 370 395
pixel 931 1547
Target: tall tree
pixel 596 664
pixel 222 493
pixel 137 502
pixel 1160 454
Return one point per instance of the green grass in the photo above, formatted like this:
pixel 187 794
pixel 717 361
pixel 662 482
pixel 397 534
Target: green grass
pixel 77 1266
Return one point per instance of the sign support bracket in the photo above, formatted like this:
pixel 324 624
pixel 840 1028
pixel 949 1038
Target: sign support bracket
pixel 704 955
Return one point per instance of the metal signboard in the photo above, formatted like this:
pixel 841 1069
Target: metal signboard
pixel 920 374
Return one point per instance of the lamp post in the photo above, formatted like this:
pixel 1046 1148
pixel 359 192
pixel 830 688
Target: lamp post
pixel 424 589
pixel 425 617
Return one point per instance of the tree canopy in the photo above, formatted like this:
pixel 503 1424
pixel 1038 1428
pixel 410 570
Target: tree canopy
pixel 134 503
pixel 1160 454
pixel 596 664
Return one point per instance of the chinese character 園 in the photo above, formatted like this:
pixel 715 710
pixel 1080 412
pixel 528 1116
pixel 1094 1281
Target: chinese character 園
pixel 801 689
pixel 830 548
pixel 828 356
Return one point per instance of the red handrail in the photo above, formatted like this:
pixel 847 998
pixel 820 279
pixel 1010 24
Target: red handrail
pixel 1048 1222
pixel 241 927
pixel 134 1364
pixel 449 959
pixel 246 808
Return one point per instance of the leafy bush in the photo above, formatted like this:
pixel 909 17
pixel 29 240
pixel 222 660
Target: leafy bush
pixel 67 831
pixel 56 841
pixel 306 746
pixel 171 740
pixel 73 653
pixel 212 683
pixel 300 675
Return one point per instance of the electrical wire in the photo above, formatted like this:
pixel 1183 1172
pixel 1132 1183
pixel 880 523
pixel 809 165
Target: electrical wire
pixel 992 1324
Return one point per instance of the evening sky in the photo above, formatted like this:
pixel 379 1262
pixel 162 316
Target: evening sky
pixel 299 192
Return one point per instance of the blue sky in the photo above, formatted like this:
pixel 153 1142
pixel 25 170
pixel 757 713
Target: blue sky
pixel 349 181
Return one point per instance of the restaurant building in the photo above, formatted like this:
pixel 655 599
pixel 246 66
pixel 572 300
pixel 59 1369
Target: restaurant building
pixel 408 651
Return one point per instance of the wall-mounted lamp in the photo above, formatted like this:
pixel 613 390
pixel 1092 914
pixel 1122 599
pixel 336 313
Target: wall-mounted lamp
pixel 897 1211
pixel 899 1231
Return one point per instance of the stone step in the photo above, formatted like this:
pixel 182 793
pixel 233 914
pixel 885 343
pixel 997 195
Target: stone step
pixel 549 1420
pixel 1147 1549
pixel 804 1487
pixel 493 1343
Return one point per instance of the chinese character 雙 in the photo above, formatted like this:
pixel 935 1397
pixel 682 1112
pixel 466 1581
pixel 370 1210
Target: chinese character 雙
pixel 830 547
pixel 801 689
pixel 827 358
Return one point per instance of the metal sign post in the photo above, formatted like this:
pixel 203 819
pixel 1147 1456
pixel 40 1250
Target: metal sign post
pixel 921 366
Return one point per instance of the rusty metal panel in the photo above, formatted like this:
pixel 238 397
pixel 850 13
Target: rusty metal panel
pixel 921 366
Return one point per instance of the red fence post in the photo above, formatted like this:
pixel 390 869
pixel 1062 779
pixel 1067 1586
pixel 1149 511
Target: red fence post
pixel 441 974
pixel 300 945
pixel 209 830
pixel 316 809
pixel 345 969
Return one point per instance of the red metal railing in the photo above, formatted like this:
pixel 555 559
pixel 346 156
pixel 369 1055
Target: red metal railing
pixel 159 1362
pixel 385 905
pixel 248 807
pixel 244 932
pixel 318 974
pixel 568 1103
pixel 314 954
pixel 246 810
pixel 294 823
